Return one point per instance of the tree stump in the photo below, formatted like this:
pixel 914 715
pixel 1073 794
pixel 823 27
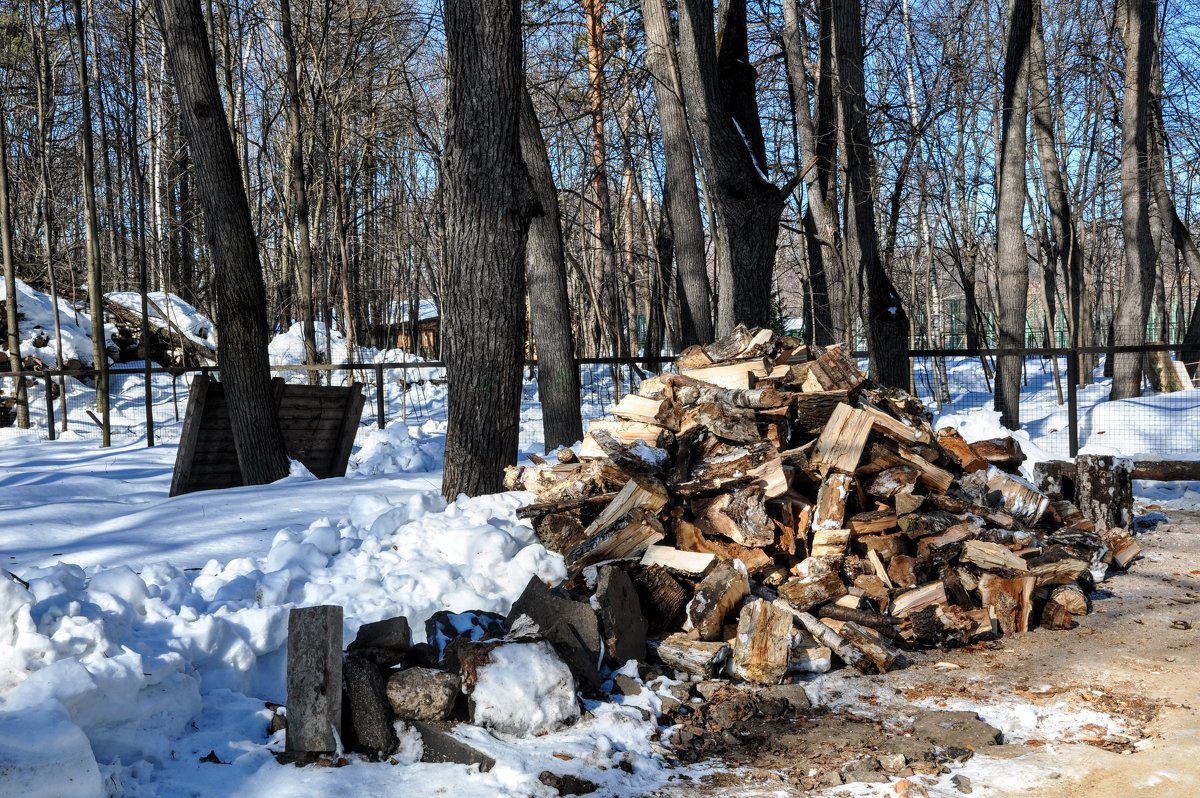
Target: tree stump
pixel 1104 490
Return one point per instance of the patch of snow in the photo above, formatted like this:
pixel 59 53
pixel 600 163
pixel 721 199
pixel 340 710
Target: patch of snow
pixel 524 689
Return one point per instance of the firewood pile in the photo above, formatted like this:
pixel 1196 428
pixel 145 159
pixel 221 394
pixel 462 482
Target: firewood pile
pixel 777 512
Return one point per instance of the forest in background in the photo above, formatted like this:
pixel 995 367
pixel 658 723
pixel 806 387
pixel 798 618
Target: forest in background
pixel 337 111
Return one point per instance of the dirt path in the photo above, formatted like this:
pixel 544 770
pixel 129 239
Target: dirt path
pixel 1110 708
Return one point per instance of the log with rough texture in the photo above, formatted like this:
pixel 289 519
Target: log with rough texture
pixel 872 523
pixel 933 477
pixel 1057 565
pixel 892 427
pixel 689 538
pixel 761 651
pixel 717 595
pixel 697 657
pixel 812 410
pixel 833 370
pixel 733 376
pixel 827 637
pixel 740 516
pixel 689 563
pixel 890 481
pixel 756 464
pixel 1124 548
pixel 840 446
pixel 639 493
pixel 918 599
pixel 629 536
pixel 631 459
pixel 829 542
pixel 735 424
pixel 806 593
pixel 627 432
pixel 953 504
pixel 954 445
pixel 314 679
pixel 902 570
pixel 647 411
pixel 1010 598
pixel 1004 452
pixel 882 654
pixel 1017 496
pixel 830 509
pixel 662 598
pixel 1104 490
pixel 991 557
pixel 689 391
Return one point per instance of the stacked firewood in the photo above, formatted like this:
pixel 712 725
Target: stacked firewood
pixel 777 511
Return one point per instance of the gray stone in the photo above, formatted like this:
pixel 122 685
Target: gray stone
pixel 370 711
pixel 314 679
pixel 794 694
pixel 383 642
pixel 621 615
pixel 570 626
pixel 962 784
pixel 422 693
pixel 567 784
pixel 626 685
pixel 955 730
pixel 439 746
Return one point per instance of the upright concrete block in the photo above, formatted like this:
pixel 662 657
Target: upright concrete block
pixel 314 679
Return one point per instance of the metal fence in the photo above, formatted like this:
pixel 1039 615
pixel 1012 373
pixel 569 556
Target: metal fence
pixel 956 385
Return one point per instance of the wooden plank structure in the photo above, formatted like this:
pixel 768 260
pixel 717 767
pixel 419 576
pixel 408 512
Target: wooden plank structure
pixel 318 425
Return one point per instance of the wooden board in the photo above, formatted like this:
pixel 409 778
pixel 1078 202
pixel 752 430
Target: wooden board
pixel 318 424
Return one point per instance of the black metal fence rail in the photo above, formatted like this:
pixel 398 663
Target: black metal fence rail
pixel 1059 413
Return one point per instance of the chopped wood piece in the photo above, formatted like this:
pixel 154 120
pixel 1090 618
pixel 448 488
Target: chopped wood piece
pixel 762 648
pixel 804 594
pixel 810 658
pixel 1003 452
pixel 933 477
pixel 733 376
pixel 693 357
pixel 1017 496
pixel 730 345
pixel 689 391
pixel 840 446
pixel 872 523
pixel 1010 598
pixel 697 657
pixel 954 445
pixel 891 427
pixel 1072 598
pixel 902 570
pixel 736 424
pixel 880 569
pixel 689 538
pixel 1124 548
pixel 873 620
pixel 566 454
pixel 647 411
pixel 953 504
pixel 690 563
pixel 991 557
pixel 830 509
pixel 918 599
pixel 627 432
pixel 629 536
pixel 833 370
pixel 882 654
pixel 633 458
pixel 558 532
pixel 718 595
pixel 1057 565
pixel 662 598
pixel 812 410
pixel 924 524
pixel 885 547
pixel 757 464
pixel 830 542
pixel 874 589
pixel 890 481
pixel 908 502
pixel 640 492
pixel 1056 616
pixel 740 516
pixel 827 637
pixel 1104 490
pixel 541 509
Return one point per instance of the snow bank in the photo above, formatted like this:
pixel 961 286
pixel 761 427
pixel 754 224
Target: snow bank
pixel 396 449
pixel 287 348
pixel 107 668
pixel 167 311
pixel 37 321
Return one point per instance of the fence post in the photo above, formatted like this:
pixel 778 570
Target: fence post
pixel 49 404
pixel 1073 401
pixel 380 418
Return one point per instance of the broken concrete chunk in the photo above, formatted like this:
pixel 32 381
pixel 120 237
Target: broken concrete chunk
pixel 570 626
pixel 383 642
pixel 370 711
pixel 620 615
pixel 422 693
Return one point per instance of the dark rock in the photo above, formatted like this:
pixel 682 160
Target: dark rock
pixel 620 615
pixel 443 626
pixel 794 694
pixel 440 746
pixel 962 784
pixel 422 693
pixel 626 685
pixel 955 730
pixel 570 626
pixel 369 708
pixel 567 785
pixel 422 655
pixel 383 642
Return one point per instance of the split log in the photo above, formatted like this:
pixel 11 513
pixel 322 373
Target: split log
pixel 1057 565
pixel 879 568
pixel 1124 548
pixel 810 658
pixel 918 599
pixel 736 424
pixel 813 410
pixel 872 523
pixel 697 657
pixel 804 594
pixel 884 547
pixel 639 493
pixel 740 516
pixel 629 536
pixel 662 598
pixel 538 510
pixel 830 542
pixel 991 557
pixel 689 563
pixel 756 464
pixel 647 411
pixel 1010 598
pixel 833 370
pixel 689 391
pixel 902 570
pixel 954 445
pixel 934 477
pixel 761 651
pixel 830 509
pixel 827 637
pixel 840 446
pixel 936 547
pixel 730 345
pixel 732 376
pixel 630 458
pixel 953 504
pixel 882 654
pixel 717 595
pixel 907 502
pixel 693 357
pixel 1017 496
pixel 1003 452
pixel 688 537
pixel 891 427
pixel 890 481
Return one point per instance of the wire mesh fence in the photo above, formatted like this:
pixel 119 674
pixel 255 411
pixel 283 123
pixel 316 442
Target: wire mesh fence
pixel 956 386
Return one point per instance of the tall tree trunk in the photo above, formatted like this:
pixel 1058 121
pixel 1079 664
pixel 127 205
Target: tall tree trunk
pixel 820 216
pixel 240 295
pixel 882 312
pixel 747 205
pixel 1012 259
pixel 839 278
pixel 681 199
pixel 1133 306
pixel 92 226
pixel 546 285
pixel 489 205
pixel 10 282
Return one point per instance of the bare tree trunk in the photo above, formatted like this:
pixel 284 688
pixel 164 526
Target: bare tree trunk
pixel 298 185
pixel 882 313
pixel 681 200
pixel 1012 259
pixel 489 205
pixel 1133 307
pixel 241 297
pixel 92 225
pixel 546 285
pixel 10 283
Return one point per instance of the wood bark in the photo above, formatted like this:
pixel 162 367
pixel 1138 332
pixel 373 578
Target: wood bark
pixel 546 281
pixel 489 205
pixel 881 310
pixel 241 298
pixel 13 343
pixel 1137 286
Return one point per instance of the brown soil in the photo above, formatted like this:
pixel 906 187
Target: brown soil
pixel 1132 659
